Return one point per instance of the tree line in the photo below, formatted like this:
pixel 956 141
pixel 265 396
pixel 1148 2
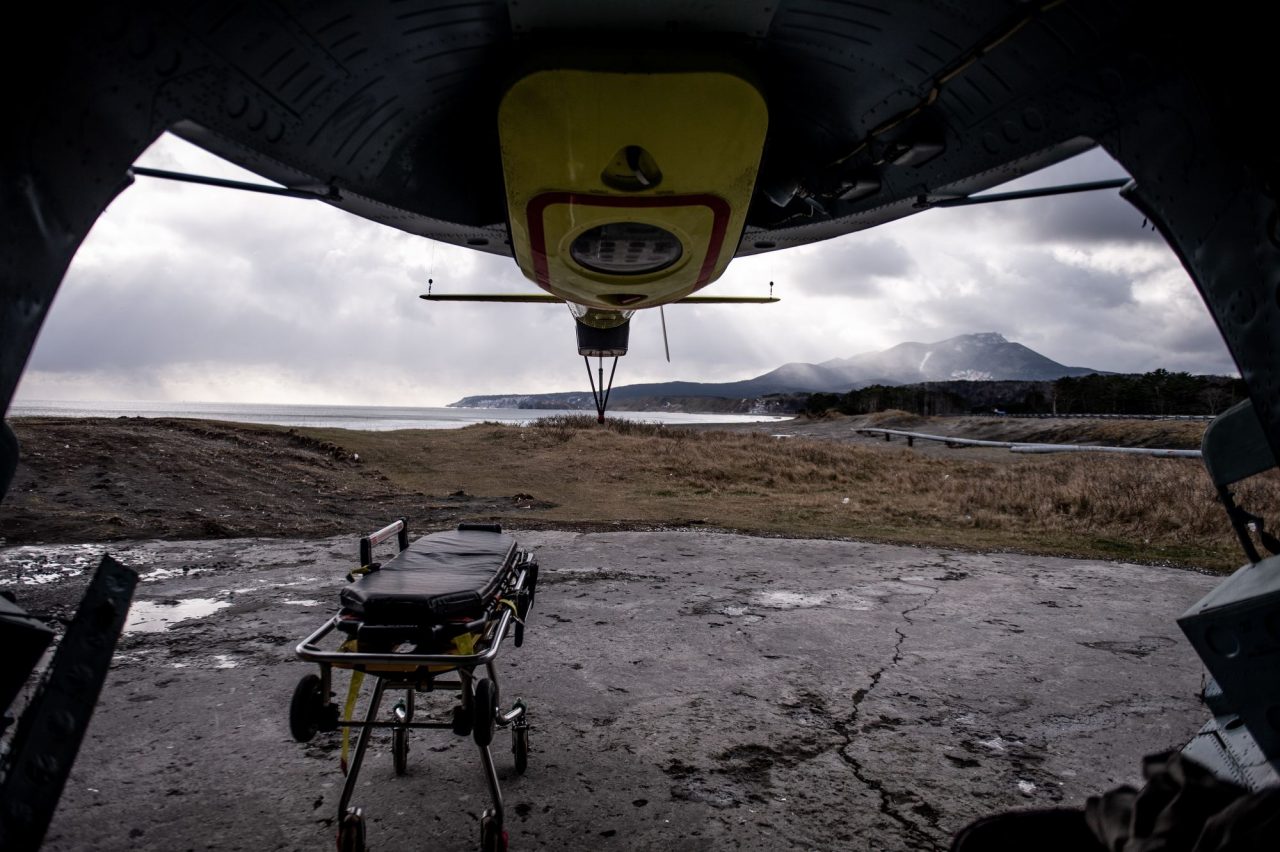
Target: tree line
pixel 1159 392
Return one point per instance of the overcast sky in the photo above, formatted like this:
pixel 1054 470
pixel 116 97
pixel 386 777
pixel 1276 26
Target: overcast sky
pixel 188 293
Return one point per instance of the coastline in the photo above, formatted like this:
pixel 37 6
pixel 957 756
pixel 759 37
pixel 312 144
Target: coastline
pixel 358 417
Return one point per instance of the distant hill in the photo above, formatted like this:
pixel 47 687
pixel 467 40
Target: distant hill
pixel 986 357
pixel 982 357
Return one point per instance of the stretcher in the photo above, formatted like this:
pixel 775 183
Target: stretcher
pixel 432 618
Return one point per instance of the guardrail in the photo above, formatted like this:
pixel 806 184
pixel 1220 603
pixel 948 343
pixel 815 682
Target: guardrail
pixel 1032 448
pixel 1096 416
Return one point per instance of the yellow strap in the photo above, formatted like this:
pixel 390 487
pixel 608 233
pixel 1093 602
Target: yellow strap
pixel 353 692
pixel 514 612
pixel 464 644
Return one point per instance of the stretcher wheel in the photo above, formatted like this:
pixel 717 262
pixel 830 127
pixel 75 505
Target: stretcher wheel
pixel 493 837
pixel 351 831
pixel 306 709
pixel 520 746
pixel 485 707
pixel 461 721
pixel 400 750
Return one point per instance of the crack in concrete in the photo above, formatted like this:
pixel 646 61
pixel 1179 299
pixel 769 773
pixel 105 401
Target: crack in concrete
pixel 845 728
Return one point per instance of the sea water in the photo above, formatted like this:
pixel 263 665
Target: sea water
pixel 369 418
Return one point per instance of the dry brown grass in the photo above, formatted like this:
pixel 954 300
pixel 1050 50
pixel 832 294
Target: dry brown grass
pixel 1146 509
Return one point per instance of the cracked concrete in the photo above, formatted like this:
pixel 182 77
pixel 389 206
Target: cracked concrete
pixel 688 691
pixel 917 836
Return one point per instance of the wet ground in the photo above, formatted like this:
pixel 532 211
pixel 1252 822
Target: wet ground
pixel 688 691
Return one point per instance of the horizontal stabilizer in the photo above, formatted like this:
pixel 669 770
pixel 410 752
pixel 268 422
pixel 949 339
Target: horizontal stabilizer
pixel 727 300
pixel 543 298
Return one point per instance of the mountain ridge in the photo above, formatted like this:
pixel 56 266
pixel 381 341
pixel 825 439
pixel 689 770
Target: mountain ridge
pixel 984 356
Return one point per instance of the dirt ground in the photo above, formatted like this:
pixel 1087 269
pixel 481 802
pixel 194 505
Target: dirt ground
pixel 97 479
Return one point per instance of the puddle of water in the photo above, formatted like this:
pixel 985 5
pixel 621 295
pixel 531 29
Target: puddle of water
pixel 27 577
pixel 154 616
pixel 157 574
pixel 38 565
pixel 303 603
pixel 264 587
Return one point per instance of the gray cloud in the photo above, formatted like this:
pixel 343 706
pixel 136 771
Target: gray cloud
pixel 1087 288
pixel 1084 219
pixel 181 292
pixel 857 267
pixel 1100 216
pixel 1082 316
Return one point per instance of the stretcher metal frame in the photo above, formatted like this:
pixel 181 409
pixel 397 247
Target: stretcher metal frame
pixel 477 713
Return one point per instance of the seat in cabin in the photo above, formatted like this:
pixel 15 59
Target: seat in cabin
pixel 1235 448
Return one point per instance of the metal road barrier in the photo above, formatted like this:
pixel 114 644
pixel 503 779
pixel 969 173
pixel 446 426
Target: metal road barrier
pixel 1018 447
pixel 1095 416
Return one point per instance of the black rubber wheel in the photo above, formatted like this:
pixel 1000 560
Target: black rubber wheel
pixel 400 750
pixel 520 747
pixel 493 837
pixel 306 708
pixel 351 832
pixel 461 721
pixel 484 706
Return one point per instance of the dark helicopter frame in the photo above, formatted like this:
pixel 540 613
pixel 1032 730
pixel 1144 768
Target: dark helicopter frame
pixel 880 110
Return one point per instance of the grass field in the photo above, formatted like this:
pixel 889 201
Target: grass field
pixel 1132 508
pixel 110 479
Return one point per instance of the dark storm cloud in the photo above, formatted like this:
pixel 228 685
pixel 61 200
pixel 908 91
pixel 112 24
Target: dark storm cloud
pixel 1081 316
pixel 1192 346
pixel 1085 218
pixel 1099 216
pixel 1050 279
pixel 854 266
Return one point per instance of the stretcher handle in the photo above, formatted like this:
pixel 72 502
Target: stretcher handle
pixel 398 527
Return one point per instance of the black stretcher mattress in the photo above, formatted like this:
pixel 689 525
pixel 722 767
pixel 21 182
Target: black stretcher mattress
pixel 440 577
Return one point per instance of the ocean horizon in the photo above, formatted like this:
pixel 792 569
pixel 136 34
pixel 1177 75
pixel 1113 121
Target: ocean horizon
pixel 366 418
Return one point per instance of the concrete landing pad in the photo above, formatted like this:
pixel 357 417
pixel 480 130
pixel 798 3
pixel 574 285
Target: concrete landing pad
pixel 688 691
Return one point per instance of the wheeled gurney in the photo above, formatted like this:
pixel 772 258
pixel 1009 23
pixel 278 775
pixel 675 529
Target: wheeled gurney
pixel 424 621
